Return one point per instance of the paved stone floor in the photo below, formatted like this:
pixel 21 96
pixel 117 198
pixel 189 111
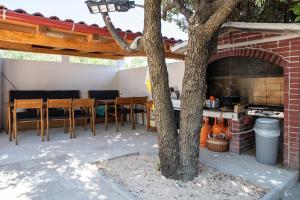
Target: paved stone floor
pixel 279 178
pixel 61 169
pixel 294 193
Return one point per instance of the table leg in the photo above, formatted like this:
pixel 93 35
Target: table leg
pixel 106 116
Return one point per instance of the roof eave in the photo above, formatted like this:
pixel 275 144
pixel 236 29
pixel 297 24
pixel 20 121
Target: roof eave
pixel 292 28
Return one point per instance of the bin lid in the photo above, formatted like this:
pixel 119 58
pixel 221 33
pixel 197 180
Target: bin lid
pixel 267 123
pixel 267 127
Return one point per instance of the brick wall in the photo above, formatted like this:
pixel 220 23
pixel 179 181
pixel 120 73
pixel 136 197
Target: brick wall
pixel 242 142
pixel 280 49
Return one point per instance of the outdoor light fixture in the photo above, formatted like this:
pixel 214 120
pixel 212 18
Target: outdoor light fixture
pixel 104 6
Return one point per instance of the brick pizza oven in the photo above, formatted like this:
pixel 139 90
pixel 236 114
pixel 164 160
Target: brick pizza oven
pixel 279 45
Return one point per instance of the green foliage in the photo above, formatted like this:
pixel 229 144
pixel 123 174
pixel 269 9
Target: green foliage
pixel 18 55
pixel 268 11
pixel 296 10
pixel 93 61
pixel 134 62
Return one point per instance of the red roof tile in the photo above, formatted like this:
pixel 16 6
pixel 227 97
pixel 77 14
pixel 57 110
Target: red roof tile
pixel 54 18
pixel 69 24
pixel 38 14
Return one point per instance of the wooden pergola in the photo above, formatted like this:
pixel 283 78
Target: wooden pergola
pixel 21 31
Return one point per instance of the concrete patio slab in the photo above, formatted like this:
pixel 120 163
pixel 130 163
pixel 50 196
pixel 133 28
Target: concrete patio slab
pixel 85 147
pixel 62 169
pixel 280 179
pixel 293 194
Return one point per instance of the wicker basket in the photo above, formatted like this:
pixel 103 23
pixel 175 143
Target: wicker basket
pixel 218 145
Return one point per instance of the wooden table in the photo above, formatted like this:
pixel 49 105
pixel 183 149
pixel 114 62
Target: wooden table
pixel 106 103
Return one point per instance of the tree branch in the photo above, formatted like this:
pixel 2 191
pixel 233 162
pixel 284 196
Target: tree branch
pixel 128 48
pixel 183 9
pixel 219 16
pixel 178 4
pixel 167 8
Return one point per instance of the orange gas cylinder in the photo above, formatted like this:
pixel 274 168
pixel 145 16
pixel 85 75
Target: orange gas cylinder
pixel 204 132
pixel 217 128
pixel 227 132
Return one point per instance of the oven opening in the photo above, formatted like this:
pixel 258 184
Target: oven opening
pixel 251 88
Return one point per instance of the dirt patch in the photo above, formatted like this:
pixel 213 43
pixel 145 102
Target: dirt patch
pixel 139 175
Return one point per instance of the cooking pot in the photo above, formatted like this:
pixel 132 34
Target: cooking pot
pixel 230 101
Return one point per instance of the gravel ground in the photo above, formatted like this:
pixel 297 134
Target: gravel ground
pixel 139 175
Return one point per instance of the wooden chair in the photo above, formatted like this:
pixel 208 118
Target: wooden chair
pixel 139 106
pixel 34 114
pixel 84 109
pixel 59 109
pixel 123 107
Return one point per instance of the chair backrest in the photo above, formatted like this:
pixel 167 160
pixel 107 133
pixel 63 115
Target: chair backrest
pixel 59 103
pixel 28 104
pixel 83 103
pixel 104 94
pixel 123 100
pixel 139 100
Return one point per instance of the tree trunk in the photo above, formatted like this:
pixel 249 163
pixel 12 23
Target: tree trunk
pixel 192 99
pixel 179 153
pixel 165 119
pixel 202 42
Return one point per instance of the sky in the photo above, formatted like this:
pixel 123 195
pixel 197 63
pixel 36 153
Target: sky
pixel 78 11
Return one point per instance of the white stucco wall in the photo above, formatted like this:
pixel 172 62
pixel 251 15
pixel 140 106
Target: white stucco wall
pixel 32 75
pixel 132 81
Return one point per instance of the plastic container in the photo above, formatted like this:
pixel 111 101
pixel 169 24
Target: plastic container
pixel 267 132
pixel 204 132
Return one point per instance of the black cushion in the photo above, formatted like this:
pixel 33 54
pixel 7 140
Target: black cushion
pixel 123 110
pixel 28 115
pixel 58 114
pixel 139 110
pixel 25 94
pixel 81 114
pixel 62 94
pixel 103 94
pixel 43 94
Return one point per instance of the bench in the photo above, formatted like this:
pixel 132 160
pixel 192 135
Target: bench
pixel 39 94
pixel 103 95
pixel 43 94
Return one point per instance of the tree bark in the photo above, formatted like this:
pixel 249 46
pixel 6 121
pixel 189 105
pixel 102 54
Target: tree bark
pixel 179 153
pixel 165 119
pixel 202 43
pixel 192 99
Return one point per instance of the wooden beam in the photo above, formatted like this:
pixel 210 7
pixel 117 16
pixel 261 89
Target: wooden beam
pixel 17 23
pixel 29 48
pixel 42 40
pixel 18 28
pixel 170 55
pixel 55 41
